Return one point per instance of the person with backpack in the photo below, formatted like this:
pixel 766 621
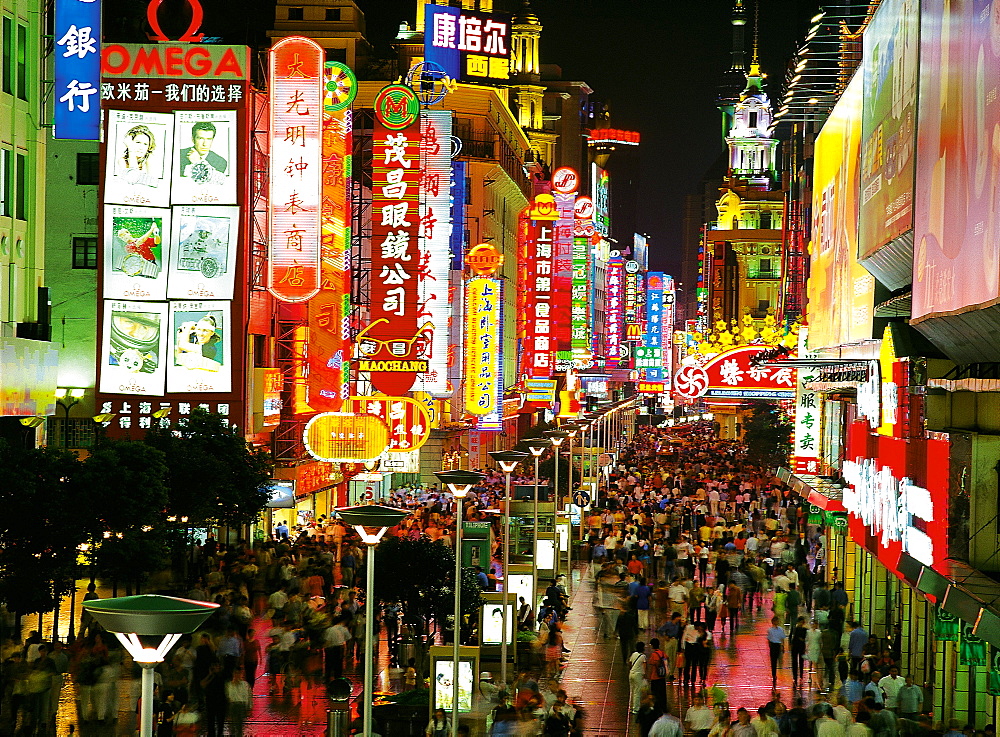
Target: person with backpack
pixel 657 673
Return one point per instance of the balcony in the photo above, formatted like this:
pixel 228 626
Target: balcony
pixel 760 274
pixel 478 148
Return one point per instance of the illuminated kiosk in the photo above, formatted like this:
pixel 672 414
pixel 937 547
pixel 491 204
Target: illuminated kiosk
pixel 459 483
pixel 149 615
pixel 370 522
pixel 508 460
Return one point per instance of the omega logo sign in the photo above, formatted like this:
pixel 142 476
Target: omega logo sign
pixel 888 505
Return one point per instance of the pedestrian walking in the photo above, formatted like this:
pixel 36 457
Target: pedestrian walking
pixel 775 644
pixel 637 676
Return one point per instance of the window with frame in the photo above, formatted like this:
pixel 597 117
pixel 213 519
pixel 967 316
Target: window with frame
pixel 296 13
pixel 22 61
pixel 21 187
pixel 85 252
pixel 333 13
pixel 88 168
pixel 6 182
pixel 7 42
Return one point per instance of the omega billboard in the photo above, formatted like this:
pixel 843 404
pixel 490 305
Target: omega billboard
pixel 173 232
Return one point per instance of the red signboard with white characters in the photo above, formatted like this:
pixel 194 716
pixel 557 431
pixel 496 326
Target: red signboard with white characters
pixel 395 344
pixel 408 420
pixel 295 169
pixel 897 498
pixel 562 272
pixel 732 376
pixel 537 296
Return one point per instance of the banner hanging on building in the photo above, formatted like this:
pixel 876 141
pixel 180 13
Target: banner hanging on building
pixel 77 33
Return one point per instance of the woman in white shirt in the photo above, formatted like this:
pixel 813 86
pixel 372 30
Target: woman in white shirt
pixel 637 676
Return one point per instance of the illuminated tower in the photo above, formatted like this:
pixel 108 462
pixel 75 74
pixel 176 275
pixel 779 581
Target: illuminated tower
pixel 528 93
pixel 734 77
pixel 751 148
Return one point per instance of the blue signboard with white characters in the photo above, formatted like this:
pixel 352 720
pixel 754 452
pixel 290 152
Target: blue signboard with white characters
pixel 78 69
pixel 441 38
pixel 654 322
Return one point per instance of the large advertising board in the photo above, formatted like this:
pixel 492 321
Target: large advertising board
pixel 537 292
pixel 888 124
pixel 136 252
pixel 200 358
pixel 203 246
pixel 204 158
pixel 133 357
pixel 138 162
pixel 467 45
pixel 957 225
pixel 483 369
pixel 841 289
pixel 614 311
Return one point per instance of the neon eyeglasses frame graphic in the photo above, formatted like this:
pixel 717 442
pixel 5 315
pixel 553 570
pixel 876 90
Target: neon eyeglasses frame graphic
pixel 397 347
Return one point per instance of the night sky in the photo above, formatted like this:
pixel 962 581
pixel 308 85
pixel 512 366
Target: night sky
pixel 658 64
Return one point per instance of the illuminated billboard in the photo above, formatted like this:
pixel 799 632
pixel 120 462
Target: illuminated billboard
pixel 134 350
pixel 407 419
pixel 394 347
pixel 614 310
pixel 204 158
pixel 343 437
pixel 77 34
pixel 888 125
pixel 562 272
pixel 469 46
pixel 654 323
pixel 203 246
pixel 957 224
pixel 200 339
pixel 580 302
pixel 296 107
pixel 138 162
pixel 435 240
pixel 136 252
pixel 841 292
pixel 537 293
pixel 601 194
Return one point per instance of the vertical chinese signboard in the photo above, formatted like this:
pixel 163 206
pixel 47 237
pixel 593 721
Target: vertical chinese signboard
pixel 562 277
pixel 173 235
pixel 807 427
pixel 536 296
pixel 654 321
pixel 435 237
pixel 614 310
pixel 580 302
pixel 329 310
pixel 77 69
pixel 669 305
pixel 295 171
pixel 482 346
pixel 394 346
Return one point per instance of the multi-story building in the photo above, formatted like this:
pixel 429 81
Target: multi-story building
pixel 28 363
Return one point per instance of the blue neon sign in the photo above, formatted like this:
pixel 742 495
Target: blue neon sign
pixel 78 69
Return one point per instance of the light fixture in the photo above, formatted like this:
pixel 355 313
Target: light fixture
pixel 32 422
pixel 162 412
pixel 459 483
pixel 105 417
pixel 508 459
pixel 149 615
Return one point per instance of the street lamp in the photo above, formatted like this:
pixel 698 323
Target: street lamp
pixel 149 615
pixel 508 460
pixel 370 522
pixel 556 437
pixel 459 483
pixel 536 447
pixel 572 430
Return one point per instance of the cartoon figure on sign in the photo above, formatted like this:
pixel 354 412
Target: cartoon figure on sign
pixel 132 360
pixel 134 341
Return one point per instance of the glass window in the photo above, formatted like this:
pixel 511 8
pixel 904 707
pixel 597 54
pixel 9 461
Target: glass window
pixel 85 253
pixel 20 188
pixel 6 178
pixel 88 167
pixel 8 51
pixel 333 13
pixel 22 61
pixel 295 13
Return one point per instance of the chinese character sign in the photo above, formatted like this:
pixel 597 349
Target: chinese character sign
pixel 654 322
pixel 580 299
pixel 614 310
pixel 408 419
pixel 435 238
pixel 469 46
pixel 536 296
pixel 395 346
pixel 807 424
pixel 77 69
pixel 329 310
pixel 669 302
pixel 296 104
pixel 482 346
pixel 562 270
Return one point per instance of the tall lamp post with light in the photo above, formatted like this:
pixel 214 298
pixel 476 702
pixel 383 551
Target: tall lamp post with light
pixel 370 522
pixel 572 431
pixel 556 437
pixel 459 483
pixel 149 615
pixel 508 460
pixel 536 447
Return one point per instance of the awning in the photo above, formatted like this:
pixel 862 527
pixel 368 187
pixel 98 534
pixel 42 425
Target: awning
pixel 959 589
pixel 820 491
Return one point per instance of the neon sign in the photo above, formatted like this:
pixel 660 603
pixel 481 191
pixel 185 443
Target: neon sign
pixel 614 309
pixel 482 348
pixel 537 293
pixel 296 104
pixel 78 69
pixel 468 46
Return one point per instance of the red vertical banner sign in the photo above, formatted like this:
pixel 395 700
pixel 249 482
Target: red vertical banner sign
pixel 614 310
pixel 329 310
pixel 296 100
pixel 562 275
pixel 395 345
pixel 537 295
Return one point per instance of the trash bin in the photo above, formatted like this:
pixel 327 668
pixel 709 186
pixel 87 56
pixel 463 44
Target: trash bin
pixel 338 716
pixel 406 648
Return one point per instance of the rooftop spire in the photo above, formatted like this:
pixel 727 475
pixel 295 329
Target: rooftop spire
pixel 739 20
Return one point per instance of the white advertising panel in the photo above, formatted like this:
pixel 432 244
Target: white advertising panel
pixel 203 252
pixel 200 339
pixel 493 629
pixel 204 162
pixel 444 689
pixel 138 166
pixel 136 252
pixel 134 348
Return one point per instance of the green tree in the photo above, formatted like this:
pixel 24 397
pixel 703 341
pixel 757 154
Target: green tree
pixel 43 522
pixel 213 474
pixel 126 482
pixel 767 434
pixel 420 575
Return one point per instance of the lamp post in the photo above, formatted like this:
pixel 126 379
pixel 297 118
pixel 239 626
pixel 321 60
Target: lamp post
pixel 536 447
pixel 459 483
pixel 556 437
pixel 573 430
pixel 508 460
pixel 370 522
pixel 149 615
pixel 584 426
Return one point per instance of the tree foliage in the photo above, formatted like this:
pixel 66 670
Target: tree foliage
pixel 213 474
pixel 43 521
pixel 767 434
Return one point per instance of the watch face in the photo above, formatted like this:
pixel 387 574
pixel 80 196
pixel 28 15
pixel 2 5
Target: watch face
pixel 209 267
pixel 132 264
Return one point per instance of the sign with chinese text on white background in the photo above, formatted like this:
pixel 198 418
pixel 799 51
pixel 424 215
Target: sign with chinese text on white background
pixel 614 310
pixel 295 178
pixel 77 56
pixel 807 424
pixel 482 346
